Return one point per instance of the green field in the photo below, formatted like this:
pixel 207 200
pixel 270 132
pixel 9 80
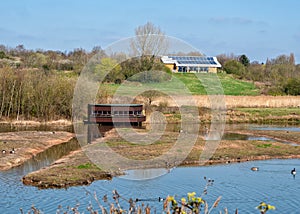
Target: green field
pixel 265 112
pixel 230 86
pixel 196 84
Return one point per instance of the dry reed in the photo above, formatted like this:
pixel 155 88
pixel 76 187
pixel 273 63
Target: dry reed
pixel 235 101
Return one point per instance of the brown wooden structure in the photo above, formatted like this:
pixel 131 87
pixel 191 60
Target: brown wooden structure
pixel 116 113
pixel 113 115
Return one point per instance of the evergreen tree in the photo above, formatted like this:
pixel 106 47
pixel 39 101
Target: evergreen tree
pixel 244 60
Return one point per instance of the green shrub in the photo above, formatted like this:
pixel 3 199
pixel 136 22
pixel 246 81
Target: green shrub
pixel 292 87
pixel 234 67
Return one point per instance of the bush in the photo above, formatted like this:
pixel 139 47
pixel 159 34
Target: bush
pixel 292 87
pixel 2 55
pixel 234 67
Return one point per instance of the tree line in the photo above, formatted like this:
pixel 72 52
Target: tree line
pixel 39 84
pixel 20 57
pixel 32 94
pixel 278 76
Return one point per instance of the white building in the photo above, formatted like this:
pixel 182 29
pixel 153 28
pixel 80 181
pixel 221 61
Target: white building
pixel 193 64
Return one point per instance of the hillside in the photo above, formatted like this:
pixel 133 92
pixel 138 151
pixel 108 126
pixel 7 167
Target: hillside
pixel 231 86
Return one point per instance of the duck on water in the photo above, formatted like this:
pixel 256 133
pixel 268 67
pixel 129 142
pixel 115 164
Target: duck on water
pixel 293 172
pixel 254 168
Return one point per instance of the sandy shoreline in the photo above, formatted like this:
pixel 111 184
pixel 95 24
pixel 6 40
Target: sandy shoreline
pixel 61 122
pixel 27 144
pixel 228 151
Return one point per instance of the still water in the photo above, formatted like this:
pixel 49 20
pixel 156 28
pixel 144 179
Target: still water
pixel 239 187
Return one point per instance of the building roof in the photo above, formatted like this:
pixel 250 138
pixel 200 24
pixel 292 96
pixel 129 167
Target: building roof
pixel 117 105
pixel 201 61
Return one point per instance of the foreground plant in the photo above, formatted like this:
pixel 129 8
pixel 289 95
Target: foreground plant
pixel 191 204
pixel 263 207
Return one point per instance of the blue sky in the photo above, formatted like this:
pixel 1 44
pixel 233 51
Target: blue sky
pixel 260 29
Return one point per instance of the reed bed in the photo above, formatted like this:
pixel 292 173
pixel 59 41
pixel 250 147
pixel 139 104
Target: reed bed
pixel 234 101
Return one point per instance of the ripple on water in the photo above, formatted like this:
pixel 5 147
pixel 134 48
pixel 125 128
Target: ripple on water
pixel 276 128
pixel 236 183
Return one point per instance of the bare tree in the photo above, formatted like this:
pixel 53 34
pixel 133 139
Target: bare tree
pixel 149 40
pixel 292 59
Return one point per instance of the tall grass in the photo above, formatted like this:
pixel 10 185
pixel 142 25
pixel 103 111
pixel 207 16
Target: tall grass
pixel 239 101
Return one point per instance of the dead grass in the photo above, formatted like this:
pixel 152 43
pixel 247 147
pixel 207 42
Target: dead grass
pixel 236 101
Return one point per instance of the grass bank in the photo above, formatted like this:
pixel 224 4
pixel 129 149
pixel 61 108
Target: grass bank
pixel 231 86
pixel 72 170
pixel 77 169
pixel 195 84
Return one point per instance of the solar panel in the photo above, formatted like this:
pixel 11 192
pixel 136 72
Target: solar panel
pixel 192 60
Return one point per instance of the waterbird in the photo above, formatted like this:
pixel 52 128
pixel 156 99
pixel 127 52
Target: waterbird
pixel 12 151
pixel 254 168
pixel 293 172
pixel 3 151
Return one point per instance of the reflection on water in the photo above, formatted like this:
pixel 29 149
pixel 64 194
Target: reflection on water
pixel 49 156
pixel 260 138
pixel 269 127
pixel 236 136
pixel 46 157
pixel 239 186
pixel 144 174
pixel 276 128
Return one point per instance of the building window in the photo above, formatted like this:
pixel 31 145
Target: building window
pixel 203 69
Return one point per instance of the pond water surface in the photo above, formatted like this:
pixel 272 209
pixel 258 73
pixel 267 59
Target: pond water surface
pixel 239 187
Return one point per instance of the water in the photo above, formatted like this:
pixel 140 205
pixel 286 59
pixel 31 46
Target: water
pixel 49 156
pixel 235 136
pixel 269 127
pixel 239 187
pixel 276 128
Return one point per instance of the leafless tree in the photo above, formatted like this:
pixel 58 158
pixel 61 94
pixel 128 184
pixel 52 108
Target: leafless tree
pixel 149 40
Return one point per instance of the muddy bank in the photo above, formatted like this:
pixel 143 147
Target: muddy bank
pixel 281 145
pixel 62 122
pixel 72 170
pixel 18 147
pixel 227 160
pixel 77 169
